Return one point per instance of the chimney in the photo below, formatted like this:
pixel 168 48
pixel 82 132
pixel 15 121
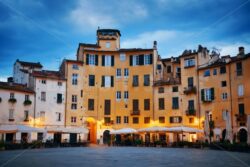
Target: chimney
pixel 155 45
pixel 241 51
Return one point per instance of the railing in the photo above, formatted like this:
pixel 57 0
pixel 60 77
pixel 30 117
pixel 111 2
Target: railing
pixel 190 90
pixel 190 112
pixel 169 81
pixel 241 117
pixel 135 112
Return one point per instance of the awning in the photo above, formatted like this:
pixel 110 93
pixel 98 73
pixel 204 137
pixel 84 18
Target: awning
pixel 68 129
pixel 19 128
pixel 154 129
pixel 185 129
pixel 124 131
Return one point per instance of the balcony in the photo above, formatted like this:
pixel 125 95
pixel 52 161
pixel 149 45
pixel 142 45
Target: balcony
pixel 190 112
pixel 239 72
pixel 12 100
pixel 27 102
pixel 26 120
pixel 11 119
pixel 135 112
pixel 168 81
pixel 189 90
pixel 241 117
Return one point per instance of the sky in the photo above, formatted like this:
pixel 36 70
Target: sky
pixel 48 31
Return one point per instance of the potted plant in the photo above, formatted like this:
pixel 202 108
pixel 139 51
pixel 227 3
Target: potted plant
pixel 12 100
pixel 27 102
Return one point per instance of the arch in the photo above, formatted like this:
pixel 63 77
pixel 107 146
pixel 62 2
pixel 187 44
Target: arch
pixel 242 135
pixel 106 137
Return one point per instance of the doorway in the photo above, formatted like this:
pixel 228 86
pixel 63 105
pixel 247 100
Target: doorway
pixel 242 135
pixel 106 137
pixel 57 138
pixel 73 138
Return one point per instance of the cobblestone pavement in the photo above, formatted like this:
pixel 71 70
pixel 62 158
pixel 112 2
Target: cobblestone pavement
pixel 123 156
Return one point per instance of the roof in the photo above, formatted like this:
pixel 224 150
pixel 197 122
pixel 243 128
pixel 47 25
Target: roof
pixel 15 87
pixel 89 45
pixel 239 58
pixel 121 50
pixel 48 74
pixel 25 71
pixel 30 64
pixel 109 30
pixel 73 61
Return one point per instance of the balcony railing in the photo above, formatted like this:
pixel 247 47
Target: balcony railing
pixel 168 81
pixel 241 117
pixel 108 123
pixel 190 90
pixel 135 112
pixel 190 112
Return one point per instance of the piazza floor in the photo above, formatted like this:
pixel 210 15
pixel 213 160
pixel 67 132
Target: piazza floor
pixel 123 156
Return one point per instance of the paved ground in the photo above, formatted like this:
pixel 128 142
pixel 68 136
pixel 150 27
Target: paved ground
pixel 123 156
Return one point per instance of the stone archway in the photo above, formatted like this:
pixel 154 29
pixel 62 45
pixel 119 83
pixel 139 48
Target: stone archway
pixel 106 137
pixel 242 135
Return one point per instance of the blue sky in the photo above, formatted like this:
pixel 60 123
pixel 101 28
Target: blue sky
pixel 47 31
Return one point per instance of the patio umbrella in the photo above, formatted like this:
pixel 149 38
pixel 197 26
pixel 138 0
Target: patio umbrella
pixel 228 127
pixel 124 131
pixel 154 129
pixel 248 129
pixel 184 129
pixel 19 128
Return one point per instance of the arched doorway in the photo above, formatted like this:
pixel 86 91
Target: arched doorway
pixel 224 132
pixel 106 137
pixel 242 135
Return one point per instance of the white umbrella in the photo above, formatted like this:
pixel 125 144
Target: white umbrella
pixel 124 131
pixel 184 129
pixel 68 129
pixel 154 129
pixel 19 128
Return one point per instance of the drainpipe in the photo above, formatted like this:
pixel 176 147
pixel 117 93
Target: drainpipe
pixel 231 100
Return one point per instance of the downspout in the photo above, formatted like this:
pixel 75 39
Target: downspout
pixel 66 96
pixel 198 92
pixel 231 99
pixel 34 104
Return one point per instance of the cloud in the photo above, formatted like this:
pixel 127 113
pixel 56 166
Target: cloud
pixel 88 15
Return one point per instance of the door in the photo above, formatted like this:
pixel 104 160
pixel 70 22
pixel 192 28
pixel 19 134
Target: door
pixel 73 138
pixel 106 137
pixel 9 137
pixel 57 138
pixel 242 136
pixel 24 137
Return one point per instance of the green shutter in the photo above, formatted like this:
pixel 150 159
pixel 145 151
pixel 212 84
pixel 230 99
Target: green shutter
pixel 96 60
pixel 112 81
pixel 202 95
pixel 131 60
pixel 112 60
pixel 103 81
pixel 212 93
pixel 151 58
pixel 103 60
pixel 87 59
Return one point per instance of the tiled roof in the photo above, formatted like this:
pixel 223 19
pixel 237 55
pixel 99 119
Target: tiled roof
pixel 15 87
pixel 73 61
pixel 109 30
pixel 48 74
pixel 30 64
pixel 89 45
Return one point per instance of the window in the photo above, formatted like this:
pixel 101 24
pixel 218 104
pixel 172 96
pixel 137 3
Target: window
pixel 107 44
pixel 11 115
pixel 135 105
pixel 73 119
pixel 191 120
pixel 135 120
pixel 58 116
pixel 75 66
pixel 223 83
pixel 118 120
pixel 107 120
pixel 161 90
pixel 175 119
pixel 240 90
pixel 135 60
pixel 135 80
pixel 190 82
pixel 161 120
pixel 239 68
pixel 126 95
pixel 122 57
pixel 91 80
pixel 161 103
pixel 107 60
pixel 178 72
pixel 168 69
pixel 118 95
pixel 27 97
pixel 206 73
pixel 59 83
pixel 43 96
pixel 26 115
pixel 42 116
pixel 107 107
pixel 126 72
pixel 91 104
pixel 91 59
pixel 74 79
pixel 189 62
pixel 146 104
pixel 175 89
pixel 158 67
pixel 59 98
pixel 207 94
pixel 12 95
pixel 81 93
pixel 125 119
pixel 107 81
pixel 146 120
pixel 74 102
pixel 43 81
pixel 146 80
pixel 215 71
pixel 224 96
pixel 147 59
pixel 241 109
pixel 223 70
pixel 175 103
pixel 118 73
